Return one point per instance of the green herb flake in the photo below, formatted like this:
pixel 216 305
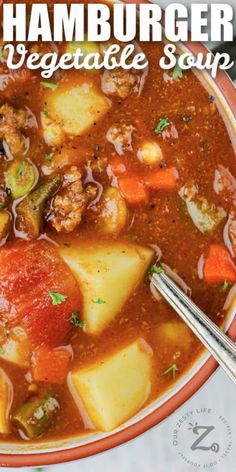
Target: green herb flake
pixel 177 71
pixel 57 298
pixel 75 321
pixel 161 125
pixel 1 53
pixel 171 370
pixel 224 287
pixel 21 170
pixel 156 270
pixel 49 85
pixel 99 301
pixel 48 157
pixel 1 206
pixel 1 351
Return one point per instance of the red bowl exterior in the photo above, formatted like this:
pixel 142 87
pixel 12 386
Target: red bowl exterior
pixel 227 89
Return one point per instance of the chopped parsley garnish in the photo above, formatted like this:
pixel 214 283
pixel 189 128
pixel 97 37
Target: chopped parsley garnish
pixel 224 287
pixel 99 301
pixel 48 157
pixel 75 321
pixel 172 369
pixel 161 125
pixel 156 270
pixel 49 85
pixel 21 170
pixel 1 351
pixel 57 298
pixel 177 71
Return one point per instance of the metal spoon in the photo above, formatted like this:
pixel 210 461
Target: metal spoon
pixel 220 346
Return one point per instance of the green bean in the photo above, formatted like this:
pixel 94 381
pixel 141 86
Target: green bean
pixel 30 210
pixel 20 178
pixel 35 416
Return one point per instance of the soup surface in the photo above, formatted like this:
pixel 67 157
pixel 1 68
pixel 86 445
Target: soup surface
pixel 101 175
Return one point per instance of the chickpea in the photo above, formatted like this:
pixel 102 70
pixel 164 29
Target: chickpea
pixel 150 153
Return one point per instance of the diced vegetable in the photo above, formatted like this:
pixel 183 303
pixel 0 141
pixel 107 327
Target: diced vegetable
pixel 219 265
pixel 16 347
pixel 29 270
pixel 35 416
pixel 5 219
pixel 114 389
pixel 20 178
pixel 72 110
pixel 49 85
pixel 133 190
pixel 6 396
pixel 101 266
pixel 150 153
pixel 163 179
pixel 175 333
pixel 113 212
pixel 51 365
pixel 204 215
pixel 30 210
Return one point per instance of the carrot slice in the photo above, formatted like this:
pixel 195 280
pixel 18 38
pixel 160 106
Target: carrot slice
pixel 133 190
pixel 219 265
pixel 163 179
pixel 51 366
pixel 118 166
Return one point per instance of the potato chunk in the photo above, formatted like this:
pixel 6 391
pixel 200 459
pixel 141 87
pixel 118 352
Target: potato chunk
pixel 114 389
pixel 113 212
pixel 16 348
pixel 6 396
pixel 107 273
pixel 71 110
pixel 176 334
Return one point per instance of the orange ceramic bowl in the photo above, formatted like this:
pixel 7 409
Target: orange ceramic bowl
pixel 27 455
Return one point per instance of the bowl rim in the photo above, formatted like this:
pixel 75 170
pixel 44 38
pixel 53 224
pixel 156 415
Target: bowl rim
pixel 227 89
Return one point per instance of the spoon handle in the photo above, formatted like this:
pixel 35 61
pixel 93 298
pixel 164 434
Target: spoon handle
pixel 220 346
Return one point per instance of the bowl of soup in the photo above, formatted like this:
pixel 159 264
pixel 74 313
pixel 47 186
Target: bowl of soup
pixel 104 173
